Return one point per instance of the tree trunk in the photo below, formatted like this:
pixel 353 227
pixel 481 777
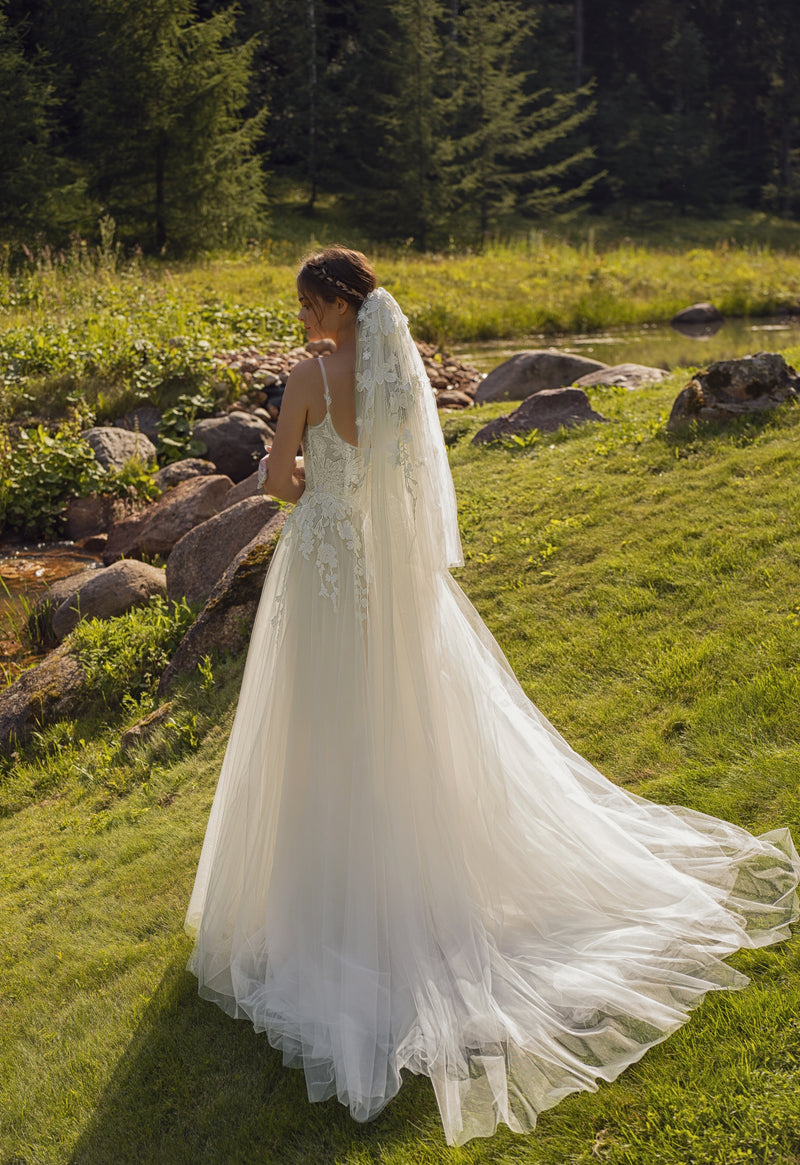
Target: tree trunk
pixel 161 226
pixel 312 105
pixel 578 43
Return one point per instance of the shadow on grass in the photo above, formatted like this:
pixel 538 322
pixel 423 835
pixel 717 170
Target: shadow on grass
pixel 196 1087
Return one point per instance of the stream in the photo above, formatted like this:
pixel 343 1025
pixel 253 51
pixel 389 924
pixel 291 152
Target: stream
pixel 657 345
pixel 25 570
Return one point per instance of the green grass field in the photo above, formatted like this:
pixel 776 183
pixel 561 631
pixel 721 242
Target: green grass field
pixel 644 588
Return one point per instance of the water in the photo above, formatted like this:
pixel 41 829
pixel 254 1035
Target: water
pixel 25 571
pixel 657 345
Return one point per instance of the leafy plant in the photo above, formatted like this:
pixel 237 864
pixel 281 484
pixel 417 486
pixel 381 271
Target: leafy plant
pixel 126 655
pixel 176 425
pixel 40 470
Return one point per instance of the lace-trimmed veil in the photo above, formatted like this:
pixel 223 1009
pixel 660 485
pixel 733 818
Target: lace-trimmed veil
pixel 413 521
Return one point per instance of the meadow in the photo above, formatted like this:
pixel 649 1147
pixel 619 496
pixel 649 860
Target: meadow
pixel 95 326
pixel 643 587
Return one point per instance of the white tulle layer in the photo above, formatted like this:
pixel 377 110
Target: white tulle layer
pixel 407 866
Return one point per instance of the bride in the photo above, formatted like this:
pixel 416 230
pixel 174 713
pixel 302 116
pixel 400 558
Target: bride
pixel 406 866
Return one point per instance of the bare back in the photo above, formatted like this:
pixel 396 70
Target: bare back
pixel 340 372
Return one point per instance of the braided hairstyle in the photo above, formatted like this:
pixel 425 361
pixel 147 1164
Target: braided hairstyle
pixel 336 273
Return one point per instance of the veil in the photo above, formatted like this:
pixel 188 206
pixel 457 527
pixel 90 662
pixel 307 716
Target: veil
pixel 410 499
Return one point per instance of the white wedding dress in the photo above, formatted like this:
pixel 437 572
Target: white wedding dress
pixel 406 866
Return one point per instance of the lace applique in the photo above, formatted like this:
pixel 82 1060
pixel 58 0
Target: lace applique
pixel 327 521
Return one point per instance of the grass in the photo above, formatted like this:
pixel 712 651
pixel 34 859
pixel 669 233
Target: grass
pixel 644 589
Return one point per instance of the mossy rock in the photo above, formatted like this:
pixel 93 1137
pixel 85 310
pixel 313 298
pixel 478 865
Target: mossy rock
pixel 225 622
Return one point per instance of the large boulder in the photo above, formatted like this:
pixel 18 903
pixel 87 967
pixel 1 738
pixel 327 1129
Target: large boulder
pixel 235 443
pixel 244 489
pixel 109 592
pixel 52 690
pixel 547 411
pixel 182 470
pixel 114 448
pixel 226 620
pixel 158 528
pixel 534 371
pixel 734 388
pixel 94 514
pixel 628 376
pixel 202 556
pixel 40 619
pixel 697 313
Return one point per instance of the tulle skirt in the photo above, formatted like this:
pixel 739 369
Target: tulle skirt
pixel 406 866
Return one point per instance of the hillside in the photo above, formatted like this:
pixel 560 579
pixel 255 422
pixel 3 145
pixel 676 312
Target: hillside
pixel 644 589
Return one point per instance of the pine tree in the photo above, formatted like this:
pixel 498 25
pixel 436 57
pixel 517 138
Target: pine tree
pixel 26 160
pixel 171 157
pixel 510 149
pixel 398 124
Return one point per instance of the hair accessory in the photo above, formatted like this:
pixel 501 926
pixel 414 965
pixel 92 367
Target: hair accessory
pixel 318 270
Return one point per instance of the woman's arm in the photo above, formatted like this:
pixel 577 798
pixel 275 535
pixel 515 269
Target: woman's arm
pixel 284 481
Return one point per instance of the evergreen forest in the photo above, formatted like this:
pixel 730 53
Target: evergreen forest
pixel 430 122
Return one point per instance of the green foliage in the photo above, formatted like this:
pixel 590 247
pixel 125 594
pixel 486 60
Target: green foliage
pixel 176 425
pixel 39 471
pixel 172 157
pixel 127 655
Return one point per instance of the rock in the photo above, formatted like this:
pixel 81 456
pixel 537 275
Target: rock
pixel 203 555
pixel 245 489
pixel 114 448
pixel 628 376
pixel 139 732
pixel 40 620
pixel 534 371
pixel 108 593
pixel 235 443
pixel 160 526
pixel 182 470
pixel 142 420
pixel 698 313
pixel 52 690
pixel 452 398
pixel 734 388
pixel 95 514
pixel 225 622
pixel 547 410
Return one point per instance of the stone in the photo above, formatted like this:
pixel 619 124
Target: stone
pixel 547 411
pixel 95 514
pixel 735 388
pixel 628 376
pixel 53 690
pixel 109 592
pixel 143 729
pixel 235 443
pixel 698 313
pixel 142 420
pixel 182 470
pixel 244 489
pixel 452 398
pixel 114 448
pixel 202 556
pixel 161 525
pixel 226 620
pixel 40 620
pixel 534 371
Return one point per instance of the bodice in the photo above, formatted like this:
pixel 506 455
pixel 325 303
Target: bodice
pixel 328 520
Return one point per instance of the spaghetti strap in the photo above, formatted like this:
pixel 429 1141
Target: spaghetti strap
pixel 325 382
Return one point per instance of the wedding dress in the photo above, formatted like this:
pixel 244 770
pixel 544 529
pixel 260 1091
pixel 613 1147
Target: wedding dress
pixel 405 865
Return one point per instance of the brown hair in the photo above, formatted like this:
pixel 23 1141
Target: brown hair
pixel 336 273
